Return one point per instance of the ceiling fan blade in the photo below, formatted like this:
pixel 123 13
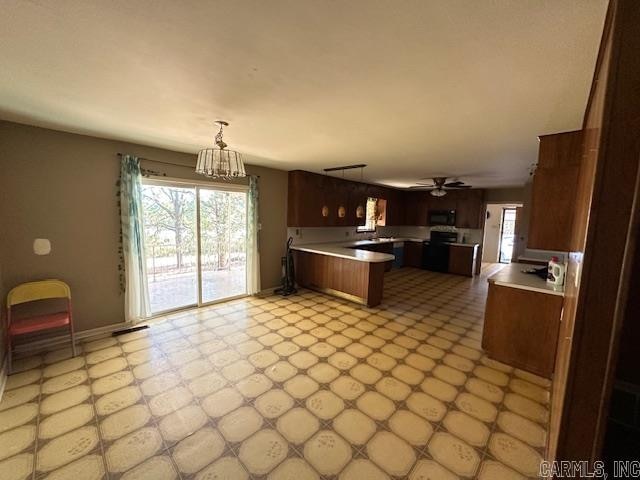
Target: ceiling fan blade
pixel 454 184
pixel 457 187
pixel 422 187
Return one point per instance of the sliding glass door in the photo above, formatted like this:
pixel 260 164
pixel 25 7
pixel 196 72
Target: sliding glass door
pixel 195 243
pixel 223 244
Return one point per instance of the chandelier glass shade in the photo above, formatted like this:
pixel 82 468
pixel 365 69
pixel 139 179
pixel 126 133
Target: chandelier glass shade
pixel 220 162
pixel 438 192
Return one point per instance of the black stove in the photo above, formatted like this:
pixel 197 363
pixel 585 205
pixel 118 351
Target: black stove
pixel 435 251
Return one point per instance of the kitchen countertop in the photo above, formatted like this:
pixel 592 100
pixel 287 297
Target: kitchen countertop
pixel 350 251
pixel 512 276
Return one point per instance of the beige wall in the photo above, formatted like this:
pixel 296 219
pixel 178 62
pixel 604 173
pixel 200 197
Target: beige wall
pixel 62 186
pixel 2 316
pixel 504 195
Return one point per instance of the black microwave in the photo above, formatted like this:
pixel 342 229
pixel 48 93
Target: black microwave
pixel 442 217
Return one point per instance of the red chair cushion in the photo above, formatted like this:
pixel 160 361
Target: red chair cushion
pixel 39 322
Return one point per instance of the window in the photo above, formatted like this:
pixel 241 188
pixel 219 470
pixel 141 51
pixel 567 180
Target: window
pixel 375 214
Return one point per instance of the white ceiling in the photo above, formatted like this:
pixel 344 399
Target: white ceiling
pixel 413 88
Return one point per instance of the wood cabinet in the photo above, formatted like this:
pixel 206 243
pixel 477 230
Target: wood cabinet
pixel 462 259
pixel 416 208
pixel 354 280
pixel 468 204
pixel 553 194
pixel 310 192
pixel 413 254
pixel 521 328
pixel 469 208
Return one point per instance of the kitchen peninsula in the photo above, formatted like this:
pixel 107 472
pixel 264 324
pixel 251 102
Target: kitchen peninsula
pixel 343 270
pixel 355 270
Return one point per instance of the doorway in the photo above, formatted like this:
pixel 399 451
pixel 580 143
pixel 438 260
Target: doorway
pixel 507 235
pixel 500 232
pixel 195 243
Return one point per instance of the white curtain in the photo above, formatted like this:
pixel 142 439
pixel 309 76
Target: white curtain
pixel 136 303
pixel 253 253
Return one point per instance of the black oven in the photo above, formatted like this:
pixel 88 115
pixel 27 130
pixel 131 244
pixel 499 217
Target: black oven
pixel 442 217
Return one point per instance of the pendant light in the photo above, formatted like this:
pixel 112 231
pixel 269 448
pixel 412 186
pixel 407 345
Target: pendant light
pixel 323 187
pixel 342 212
pixel 220 162
pixel 360 208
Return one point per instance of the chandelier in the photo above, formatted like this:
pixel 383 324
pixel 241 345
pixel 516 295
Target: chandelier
pixel 220 162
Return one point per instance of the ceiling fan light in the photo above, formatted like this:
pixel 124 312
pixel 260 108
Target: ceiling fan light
pixel 438 192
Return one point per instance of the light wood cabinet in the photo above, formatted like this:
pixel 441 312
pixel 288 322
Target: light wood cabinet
pixel 553 194
pixel 521 328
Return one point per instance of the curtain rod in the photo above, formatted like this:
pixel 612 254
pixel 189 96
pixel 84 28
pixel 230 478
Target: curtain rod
pixel 159 161
pixel 171 163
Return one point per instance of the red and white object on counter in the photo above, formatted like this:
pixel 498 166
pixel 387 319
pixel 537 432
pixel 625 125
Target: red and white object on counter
pixel 556 272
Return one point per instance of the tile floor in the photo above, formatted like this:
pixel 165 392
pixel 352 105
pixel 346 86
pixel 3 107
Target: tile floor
pixel 298 388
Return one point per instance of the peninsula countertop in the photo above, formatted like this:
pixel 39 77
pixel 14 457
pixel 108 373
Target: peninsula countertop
pixel 513 276
pixel 350 249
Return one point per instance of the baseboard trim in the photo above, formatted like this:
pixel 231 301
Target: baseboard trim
pixel 3 376
pixel 48 343
pixel 266 291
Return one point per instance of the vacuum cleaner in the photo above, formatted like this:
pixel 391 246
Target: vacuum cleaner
pixel 288 273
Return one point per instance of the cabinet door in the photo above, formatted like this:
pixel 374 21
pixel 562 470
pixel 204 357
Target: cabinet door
pixel 462 260
pixel 552 207
pixel 560 149
pixel 469 208
pixel 413 254
pixel 395 207
pixel 308 193
pixel 416 207
pixel 521 328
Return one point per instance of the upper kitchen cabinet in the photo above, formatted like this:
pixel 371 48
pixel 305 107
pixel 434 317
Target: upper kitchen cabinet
pixel 322 201
pixel 448 202
pixel 469 208
pixel 396 210
pixel 416 208
pixel 312 201
pixel 468 205
pixel 553 191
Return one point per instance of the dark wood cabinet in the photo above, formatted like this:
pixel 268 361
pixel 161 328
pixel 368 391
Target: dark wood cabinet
pixel 553 192
pixel 354 280
pixel 413 254
pixel 416 208
pixel 310 192
pixel 469 208
pixel 462 259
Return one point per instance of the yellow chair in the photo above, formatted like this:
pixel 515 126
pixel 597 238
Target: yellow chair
pixel 32 292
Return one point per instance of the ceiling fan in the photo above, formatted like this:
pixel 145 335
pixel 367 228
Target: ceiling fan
pixel 440 186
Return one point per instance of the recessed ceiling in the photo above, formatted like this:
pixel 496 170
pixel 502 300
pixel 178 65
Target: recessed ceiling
pixel 414 88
